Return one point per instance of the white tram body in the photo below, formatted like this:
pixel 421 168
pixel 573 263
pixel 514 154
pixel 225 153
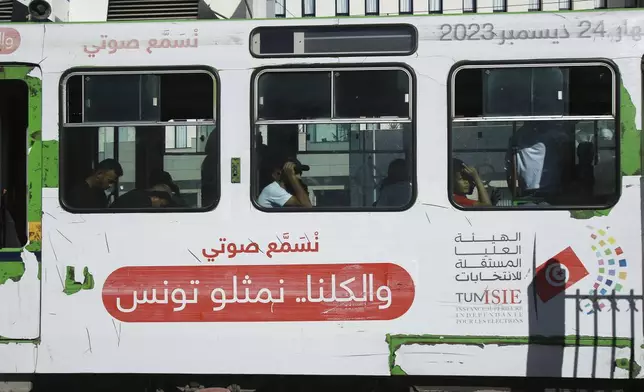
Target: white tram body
pixel 425 287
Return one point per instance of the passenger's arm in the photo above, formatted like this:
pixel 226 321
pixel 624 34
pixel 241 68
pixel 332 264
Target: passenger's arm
pixel 301 197
pixel 484 198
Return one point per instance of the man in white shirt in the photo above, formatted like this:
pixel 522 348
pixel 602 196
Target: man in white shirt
pixel 286 174
pixel 538 157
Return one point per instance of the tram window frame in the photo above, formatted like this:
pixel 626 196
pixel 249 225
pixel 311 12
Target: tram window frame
pixel 214 122
pixel 411 120
pixel 614 116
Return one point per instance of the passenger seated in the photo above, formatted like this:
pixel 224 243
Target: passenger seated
pixel 156 197
pixel 395 189
pixel 580 189
pixel 537 156
pixel 585 172
pixel 286 174
pixel 209 180
pixel 465 178
pixel 94 191
pixel 164 178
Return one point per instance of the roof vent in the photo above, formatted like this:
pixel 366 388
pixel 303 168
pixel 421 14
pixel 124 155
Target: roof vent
pixel 6 10
pixel 151 9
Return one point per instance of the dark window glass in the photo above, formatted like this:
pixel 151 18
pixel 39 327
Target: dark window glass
pixel 591 91
pixel 371 93
pixel 15 121
pixel 294 95
pixel 180 157
pixel 347 166
pixel 274 41
pixel 75 99
pixel 335 39
pixel 538 164
pixel 112 98
pixel 159 166
pixel 524 91
pixel 537 91
pixel 187 96
pixel 140 97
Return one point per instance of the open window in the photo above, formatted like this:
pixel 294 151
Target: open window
pixel 139 140
pixel 534 136
pixel 349 131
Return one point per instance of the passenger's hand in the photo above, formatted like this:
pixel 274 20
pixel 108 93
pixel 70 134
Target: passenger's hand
pixel 470 171
pixel 495 195
pixel 289 169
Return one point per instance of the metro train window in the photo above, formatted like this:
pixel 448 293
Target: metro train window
pixel 534 136
pixel 337 138
pixel 133 141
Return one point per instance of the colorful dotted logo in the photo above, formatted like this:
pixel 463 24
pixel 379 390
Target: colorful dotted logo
pixel 612 267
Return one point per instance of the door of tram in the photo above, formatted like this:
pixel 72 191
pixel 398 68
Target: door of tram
pixel 20 201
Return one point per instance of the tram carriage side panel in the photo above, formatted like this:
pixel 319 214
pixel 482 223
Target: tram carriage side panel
pixel 535 277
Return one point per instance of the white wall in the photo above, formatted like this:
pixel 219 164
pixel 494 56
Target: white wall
pixel 88 10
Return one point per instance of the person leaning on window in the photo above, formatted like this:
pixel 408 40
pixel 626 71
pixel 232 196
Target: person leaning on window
pixel 465 179
pixel 285 174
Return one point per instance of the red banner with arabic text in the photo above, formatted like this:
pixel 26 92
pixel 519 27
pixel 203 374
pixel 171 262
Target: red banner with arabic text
pixel 328 292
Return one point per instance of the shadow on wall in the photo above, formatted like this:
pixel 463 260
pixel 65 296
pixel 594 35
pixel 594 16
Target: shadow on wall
pixel 547 324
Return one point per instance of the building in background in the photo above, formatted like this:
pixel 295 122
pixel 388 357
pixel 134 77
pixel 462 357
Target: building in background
pixel 108 10
pixel 104 10
pixel 325 8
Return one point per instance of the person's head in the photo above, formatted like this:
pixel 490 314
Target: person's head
pixel 160 195
pixel 276 167
pixel 106 174
pixel 397 170
pixel 163 177
pixel 463 183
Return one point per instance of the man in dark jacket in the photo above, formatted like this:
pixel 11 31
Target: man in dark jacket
pixel 91 193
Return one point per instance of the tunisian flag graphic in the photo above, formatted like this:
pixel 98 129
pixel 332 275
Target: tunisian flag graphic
pixel 559 273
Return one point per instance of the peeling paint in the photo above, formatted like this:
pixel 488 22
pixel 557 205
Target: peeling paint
pixel 72 286
pixel 396 341
pixel 624 363
pixel 12 267
pixel 630 146
pixel 50 163
pixel 4 340
pixel 11 270
pixel 14 270
pixel 397 371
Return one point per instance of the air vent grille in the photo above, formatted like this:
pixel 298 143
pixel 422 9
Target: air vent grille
pixel 6 9
pixel 152 9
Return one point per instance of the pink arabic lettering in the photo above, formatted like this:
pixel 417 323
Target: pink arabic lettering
pixel 112 46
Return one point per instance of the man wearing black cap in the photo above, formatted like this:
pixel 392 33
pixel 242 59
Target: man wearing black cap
pixel 156 197
pixel 164 178
pixel 286 174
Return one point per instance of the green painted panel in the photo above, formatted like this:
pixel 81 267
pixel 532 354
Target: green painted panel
pixel 50 163
pixel 630 145
pixel 396 341
pixel 15 270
